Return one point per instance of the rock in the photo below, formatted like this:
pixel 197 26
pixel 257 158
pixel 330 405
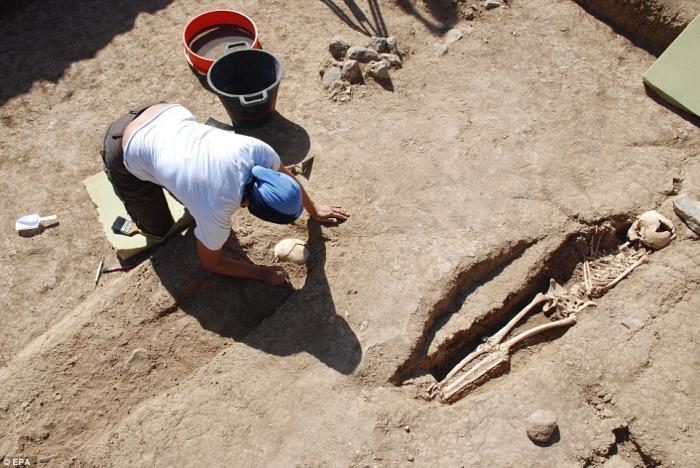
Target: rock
pixel 292 250
pixel 441 49
pixel 362 54
pixel 138 362
pixel 393 60
pixel 338 47
pixel 330 76
pixel 453 35
pixel 491 4
pixel 633 323
pixel 469 14
pixel 351 71
pixel 378 43
pixel 541 425
pixel 393 46
pixel 688 210
pixel 379 70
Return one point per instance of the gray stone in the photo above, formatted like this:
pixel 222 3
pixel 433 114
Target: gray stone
pixel 688 210
pixel 138 362
pixel 441 49
pixel 392 45
pixel 351 71
pixel 331 75
pixel 453 35
pixel 378 43
pixel 338 47
pixel 541 426
pixel 362 54
pixel 491 4
pixel 469 14
pixel 379 70
pixel 633 323
pixel 393 60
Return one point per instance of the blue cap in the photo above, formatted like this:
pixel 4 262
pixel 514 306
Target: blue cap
pixel 273 196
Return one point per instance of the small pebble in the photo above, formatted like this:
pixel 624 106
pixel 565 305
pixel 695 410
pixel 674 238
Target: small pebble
pixel 441 49
pixel 453 35
pixel 407 428
pixel 469 14
pixel 491 4
pixel 541 426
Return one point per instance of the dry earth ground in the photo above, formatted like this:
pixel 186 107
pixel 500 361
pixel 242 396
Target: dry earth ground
pixel 463 183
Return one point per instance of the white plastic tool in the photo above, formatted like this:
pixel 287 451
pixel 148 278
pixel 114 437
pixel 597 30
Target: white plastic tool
pixel 32 221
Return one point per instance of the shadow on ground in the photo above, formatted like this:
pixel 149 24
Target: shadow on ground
pixel 442 15
pixel 288 139
pixel 40 39
pixel 235 308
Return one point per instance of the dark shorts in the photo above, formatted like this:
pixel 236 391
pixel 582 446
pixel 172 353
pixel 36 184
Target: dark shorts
pixel 144 201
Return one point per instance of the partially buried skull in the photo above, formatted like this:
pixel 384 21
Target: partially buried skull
pixel 652 229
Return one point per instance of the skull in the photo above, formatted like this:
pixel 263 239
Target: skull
pixel 652 229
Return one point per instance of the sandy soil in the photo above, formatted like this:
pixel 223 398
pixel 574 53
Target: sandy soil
pixel 464 180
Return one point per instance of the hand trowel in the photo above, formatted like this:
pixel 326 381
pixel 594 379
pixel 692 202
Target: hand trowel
pixel 32 221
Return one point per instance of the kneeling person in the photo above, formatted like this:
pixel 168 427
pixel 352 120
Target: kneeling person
pixel 212 172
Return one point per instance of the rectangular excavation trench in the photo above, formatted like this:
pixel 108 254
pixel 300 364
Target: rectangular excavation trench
pixel 557 258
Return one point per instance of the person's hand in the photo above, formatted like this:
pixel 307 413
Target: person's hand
pixel 274 275
pixel 330 214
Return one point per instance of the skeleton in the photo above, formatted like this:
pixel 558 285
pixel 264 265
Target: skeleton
pixel 599 271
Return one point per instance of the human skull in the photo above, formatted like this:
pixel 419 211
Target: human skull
pixel 652 229
pixel 293 250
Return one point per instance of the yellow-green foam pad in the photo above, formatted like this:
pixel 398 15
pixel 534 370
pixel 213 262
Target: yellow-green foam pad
pixel 109 206
pixel 675 76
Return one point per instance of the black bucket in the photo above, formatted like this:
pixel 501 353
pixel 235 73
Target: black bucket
pixel 246 82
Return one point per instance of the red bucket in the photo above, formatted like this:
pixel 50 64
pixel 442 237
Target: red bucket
pixel 214 33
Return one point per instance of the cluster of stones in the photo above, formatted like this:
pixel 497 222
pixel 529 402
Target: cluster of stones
pixel 351 65
pixel 471 11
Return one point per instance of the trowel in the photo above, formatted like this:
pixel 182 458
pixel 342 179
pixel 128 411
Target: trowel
pixel 32 221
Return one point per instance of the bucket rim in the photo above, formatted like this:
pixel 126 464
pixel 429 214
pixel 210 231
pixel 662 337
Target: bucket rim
pixel 217 91
pixel 193 56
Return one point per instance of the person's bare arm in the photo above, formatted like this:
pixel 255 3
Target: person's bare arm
pixel 320 213
pixel 215 261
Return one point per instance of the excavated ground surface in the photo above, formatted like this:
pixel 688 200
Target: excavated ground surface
pixel 460 180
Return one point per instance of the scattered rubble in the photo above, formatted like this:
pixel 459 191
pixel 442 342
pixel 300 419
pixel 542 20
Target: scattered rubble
pixel 541 426
pixel 352 63
pixel 689 211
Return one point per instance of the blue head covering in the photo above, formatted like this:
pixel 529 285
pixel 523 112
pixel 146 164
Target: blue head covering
pixel 273 196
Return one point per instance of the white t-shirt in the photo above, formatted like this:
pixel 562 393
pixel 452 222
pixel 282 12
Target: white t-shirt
pixel 204 167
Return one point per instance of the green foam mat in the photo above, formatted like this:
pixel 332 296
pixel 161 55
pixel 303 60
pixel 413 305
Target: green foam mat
pixel 109 206
pixel 675 76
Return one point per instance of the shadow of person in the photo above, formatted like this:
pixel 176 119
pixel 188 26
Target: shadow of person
pixel 289 140
pixel 304 320
pixel 308 321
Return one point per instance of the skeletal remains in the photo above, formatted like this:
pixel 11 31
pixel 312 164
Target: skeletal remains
pixel 598 272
